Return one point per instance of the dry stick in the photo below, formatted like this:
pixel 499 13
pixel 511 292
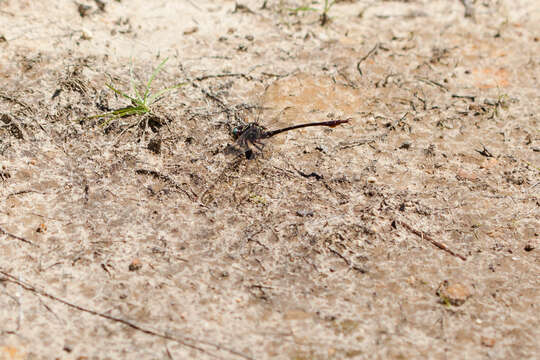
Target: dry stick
pixel 16 127
pixel 29 287
pixel 357 143
pixel 350 83
pixel 22 192
pixel 2 231
pixel 347 261
pixel 275 75
pixel 468 97
pixel 204 77
pixel 469 10
pixel 18 102
pixel 366 57
pixel 196 7
pixel 164 178
pixel 427 237
pixel 433 83
pixel 216 99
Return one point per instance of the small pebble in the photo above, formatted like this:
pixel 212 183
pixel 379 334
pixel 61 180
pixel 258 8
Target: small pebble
pixel 84 10
pixel 41 228
pixel 304 212
pixel 372 179
pixel 453 292
pixel 405 145
pixel 86 34
pixel 487 341
pixel 191 30
pixel 135 265
pixel 154 145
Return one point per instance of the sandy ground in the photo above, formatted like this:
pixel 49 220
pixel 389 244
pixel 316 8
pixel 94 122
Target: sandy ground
pixel 410 232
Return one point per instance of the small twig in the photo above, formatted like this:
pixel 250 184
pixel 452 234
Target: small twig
pixel 356 143
pixel 347 261
pixel 428 237
pixel 165 178
pixel 350 83
pixel 4 175
pixel 338 254
pixel 385 82
pixel 312 174
pixel 23 192
pixel 279 76
pixel 2 231
pixel 366 57
pixel 431 82
pixel 397 122
pixel 258 243
pixel 469 10
pixel 412 105
pixel 13 100
pixel 196 7
pixel 16 128
pixel 468 97
pixel 205 77
pixel 423 101
pixel 168 352
pixel 484 152
pixel 216 99
pixel 186 341
pixel 242 8
pixel 126 129
pixel 392 126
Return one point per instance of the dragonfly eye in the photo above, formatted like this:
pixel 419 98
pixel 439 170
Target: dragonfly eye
pixel 237 131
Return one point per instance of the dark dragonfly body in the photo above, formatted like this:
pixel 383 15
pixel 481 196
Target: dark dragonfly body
pixel 252 133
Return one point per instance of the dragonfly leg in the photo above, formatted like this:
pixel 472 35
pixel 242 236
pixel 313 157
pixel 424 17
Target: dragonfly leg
pixel 249 154
pixel 258 145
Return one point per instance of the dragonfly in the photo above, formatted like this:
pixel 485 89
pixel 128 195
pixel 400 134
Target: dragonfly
pixel 252 134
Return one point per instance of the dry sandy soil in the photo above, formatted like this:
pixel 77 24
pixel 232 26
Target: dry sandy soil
pixel 410 232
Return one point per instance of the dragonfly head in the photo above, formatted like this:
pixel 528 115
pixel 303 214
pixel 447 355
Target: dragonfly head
pixel 239 130
pixel 236 131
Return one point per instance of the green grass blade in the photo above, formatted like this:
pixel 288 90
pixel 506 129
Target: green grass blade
pixel 328 5
pixel 302 8
pixel 122 112
pixel 107 114
pixel 122 94
pixel 140 105
pixel 155 96
pixel 127 111
pixel 156 71
pixel 132 82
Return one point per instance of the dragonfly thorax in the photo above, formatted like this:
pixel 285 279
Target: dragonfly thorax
pixel 249 131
